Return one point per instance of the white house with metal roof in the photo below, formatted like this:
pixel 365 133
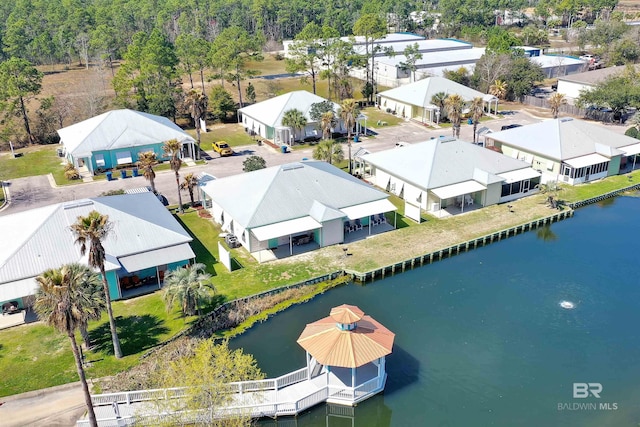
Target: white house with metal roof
pixel 448 174
pixel 571 86
pixel 568 150
pixel 414 100
pixel 359 41
pixel 294 204
pixel 145 242
pixel 116 138
pixel 265 118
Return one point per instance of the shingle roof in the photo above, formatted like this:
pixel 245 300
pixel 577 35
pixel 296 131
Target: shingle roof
pixel 439 162
pixel 271 111
pixel 561 139
pixel 119 129
pixel 40 239
pixel 280 193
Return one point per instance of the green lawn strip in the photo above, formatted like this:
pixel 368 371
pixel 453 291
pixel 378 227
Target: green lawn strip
pixel 270 65
pixel 575 193
pixel 232 133
pixel 1 195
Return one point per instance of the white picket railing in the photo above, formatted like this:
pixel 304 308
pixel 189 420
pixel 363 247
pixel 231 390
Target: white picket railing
pixel 320 392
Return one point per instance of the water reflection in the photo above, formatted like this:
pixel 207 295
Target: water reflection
pixel 372 412
pixel 546 234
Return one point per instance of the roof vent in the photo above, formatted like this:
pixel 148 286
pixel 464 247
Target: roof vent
pixel 292 166
pixel 78 204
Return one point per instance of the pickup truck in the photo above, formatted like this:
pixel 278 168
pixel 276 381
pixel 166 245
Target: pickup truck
pixel 222 148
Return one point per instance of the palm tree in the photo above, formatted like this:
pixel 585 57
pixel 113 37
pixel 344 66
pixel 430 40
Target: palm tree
pixel 294 119
pixel 146 162
pixel 327 121
pixel 328 150
pixel 172 148
pixel 477 111
pixel 57 305
pixel 89 232
pixel 454 104
pixel 438 100
pixel 349 111
pixel 198 109
pixel 555 102
pixel 188 286
pixel 189 182
pixel 499 89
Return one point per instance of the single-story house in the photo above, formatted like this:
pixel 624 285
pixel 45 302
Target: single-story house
pixel 265 118
pixel 146 241
pixel 448 173
pixel 571 86
pixel 567 149
pixel 414 100
pixel 295 203
pixel 555 65
pixel 117 137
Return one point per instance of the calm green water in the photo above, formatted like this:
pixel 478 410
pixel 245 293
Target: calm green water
pixel 481 339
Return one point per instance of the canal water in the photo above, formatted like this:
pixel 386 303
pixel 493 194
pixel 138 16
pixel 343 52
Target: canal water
pixel 481 338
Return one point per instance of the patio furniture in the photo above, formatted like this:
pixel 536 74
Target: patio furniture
pixel 10 307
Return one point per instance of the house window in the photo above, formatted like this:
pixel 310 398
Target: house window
pixel 124 157
pixel 99 160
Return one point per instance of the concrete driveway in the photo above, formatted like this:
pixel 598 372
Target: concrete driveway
pixel 31 192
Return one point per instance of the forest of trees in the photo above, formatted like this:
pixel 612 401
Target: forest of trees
pixel 62 31
pixel 157 42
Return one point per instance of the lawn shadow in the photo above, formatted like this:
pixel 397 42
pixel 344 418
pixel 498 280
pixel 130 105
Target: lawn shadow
pixel 136 333
pixel 203 255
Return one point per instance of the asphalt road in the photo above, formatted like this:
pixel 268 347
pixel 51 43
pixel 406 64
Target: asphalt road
pixel 31 192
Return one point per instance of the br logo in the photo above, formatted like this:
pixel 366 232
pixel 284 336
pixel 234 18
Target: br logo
pixel 583 390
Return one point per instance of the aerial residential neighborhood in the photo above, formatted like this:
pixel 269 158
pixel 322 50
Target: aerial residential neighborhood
pixel 186 191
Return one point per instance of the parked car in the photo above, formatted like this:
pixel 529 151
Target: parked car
pixel 505 127
pixel 222 148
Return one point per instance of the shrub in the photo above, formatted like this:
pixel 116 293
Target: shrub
pixel 633 133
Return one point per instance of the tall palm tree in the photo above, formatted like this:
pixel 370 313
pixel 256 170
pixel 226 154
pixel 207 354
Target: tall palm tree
pixel 198 109
pixel 349 111
pixel 188 286
pixel 173 148
pixel 189 183
pixel 146 162
pixel 294 119
pixel 477 111
pixel 499 89
pixel 89 232
pixel 57 305
pixel 555 102
pixel 454 105
pixel 438 100
pixel 328 150
pixel 327 121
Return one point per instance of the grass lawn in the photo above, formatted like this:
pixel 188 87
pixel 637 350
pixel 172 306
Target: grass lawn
pixel 34 356
pixel 374 116
pixel 268 66
pixel 1 194
pixel 232 133
pixel 569 193
pixel 35 160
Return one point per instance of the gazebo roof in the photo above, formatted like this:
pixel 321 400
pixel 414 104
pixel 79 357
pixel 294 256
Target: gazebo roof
pixel 333 345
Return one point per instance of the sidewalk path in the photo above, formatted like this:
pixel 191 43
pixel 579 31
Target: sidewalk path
pixel 59 406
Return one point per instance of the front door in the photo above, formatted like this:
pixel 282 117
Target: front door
pixel 526 184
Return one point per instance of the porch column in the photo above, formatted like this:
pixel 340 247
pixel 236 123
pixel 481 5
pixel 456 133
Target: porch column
pixel 158 277
pixel 290 245
pixel 308 366
pixel 353 382
pixel 380 366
